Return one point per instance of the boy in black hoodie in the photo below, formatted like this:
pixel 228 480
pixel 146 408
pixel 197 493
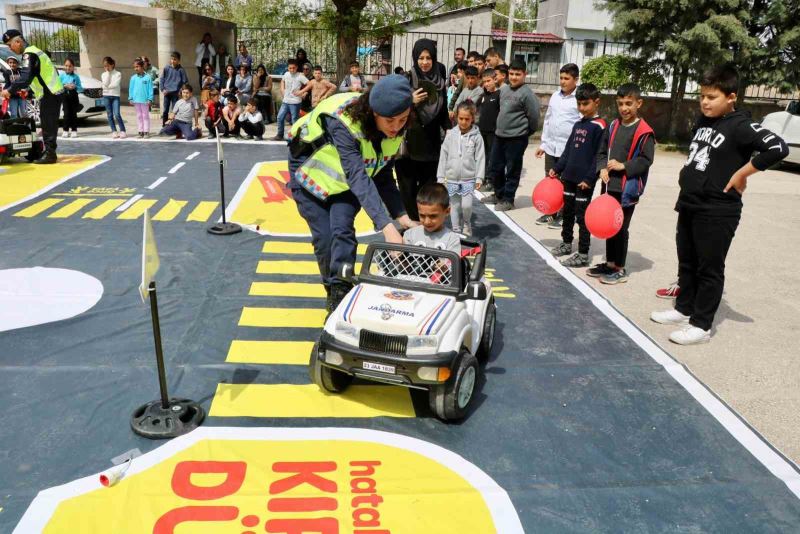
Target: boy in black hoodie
pixel 710 201
pixel 577 167
pixel 488 108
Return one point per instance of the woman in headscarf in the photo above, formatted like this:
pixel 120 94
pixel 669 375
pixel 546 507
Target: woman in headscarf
pixel 424 138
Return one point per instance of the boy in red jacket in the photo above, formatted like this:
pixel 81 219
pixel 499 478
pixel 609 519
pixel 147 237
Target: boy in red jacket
pixel 624 162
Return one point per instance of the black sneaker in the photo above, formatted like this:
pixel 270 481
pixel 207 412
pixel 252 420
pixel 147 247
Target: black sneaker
pixel 555 224
pixel 249 137
pixel 504 205
pixel 491 199
pixel 277 138
pixel 544 219
pixel 617 277
pixel 487 188
pixel 576 260
pixel 601 269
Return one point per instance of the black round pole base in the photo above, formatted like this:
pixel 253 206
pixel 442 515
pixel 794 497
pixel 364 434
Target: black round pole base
pixel 154 422
pixel 226 228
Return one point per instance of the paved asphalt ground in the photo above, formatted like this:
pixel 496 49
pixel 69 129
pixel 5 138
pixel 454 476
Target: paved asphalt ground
pixel 590 432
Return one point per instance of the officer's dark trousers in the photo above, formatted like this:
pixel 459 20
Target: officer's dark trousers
pixel 50 109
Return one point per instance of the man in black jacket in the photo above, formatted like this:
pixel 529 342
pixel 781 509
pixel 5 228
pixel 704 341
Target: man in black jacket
pixel 710 201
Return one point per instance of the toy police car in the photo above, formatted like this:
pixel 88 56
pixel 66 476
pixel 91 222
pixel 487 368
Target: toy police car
pixel 416 317
pixel 18 138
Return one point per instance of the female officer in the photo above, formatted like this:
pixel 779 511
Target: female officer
pixel 341 159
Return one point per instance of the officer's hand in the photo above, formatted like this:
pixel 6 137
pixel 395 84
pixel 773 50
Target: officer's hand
pixel 391 235
pixel 406 222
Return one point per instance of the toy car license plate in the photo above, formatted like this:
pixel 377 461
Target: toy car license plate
pixel 98 102
pixel 22 146
pixel 379 367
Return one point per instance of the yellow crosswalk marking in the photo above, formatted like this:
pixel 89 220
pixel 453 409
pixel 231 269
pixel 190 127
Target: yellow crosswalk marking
pixel 71 209
pixel 270 352
pixel 296 247
pixel 505 295
pixel 289 400
pixel 203 211
pixel 104 209
pixel 39 207
pixel 287 267
pixel 291 289
pixel 282 317
pixel 137 209
pixel 500 288
pixel 291 267
pixel 170 211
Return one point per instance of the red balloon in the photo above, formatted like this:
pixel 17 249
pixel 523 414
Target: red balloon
pixel 548 195
pixel 604 217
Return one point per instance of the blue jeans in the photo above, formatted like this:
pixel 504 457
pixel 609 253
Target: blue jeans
pixel 169 100
pixel 294 109
pixel 112 112
pixel 17 107
pixel 333 232
pixel 506 165
pixel 185 128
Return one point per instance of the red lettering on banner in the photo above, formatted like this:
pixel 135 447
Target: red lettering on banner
pixel 166 523
pixel 362 482
pixel 182 479
pixel 305 504
pixel 368 471
pixel 324 525
pixel 306 473
pixel 373 500
pixel 373 521
pixel 363 485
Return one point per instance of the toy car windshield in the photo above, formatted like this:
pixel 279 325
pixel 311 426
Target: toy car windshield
pixel 428 269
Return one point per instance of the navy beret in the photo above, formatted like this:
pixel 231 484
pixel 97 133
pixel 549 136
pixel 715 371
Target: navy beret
pixel 391 95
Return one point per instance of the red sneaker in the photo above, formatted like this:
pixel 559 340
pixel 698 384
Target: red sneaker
pixel 670 292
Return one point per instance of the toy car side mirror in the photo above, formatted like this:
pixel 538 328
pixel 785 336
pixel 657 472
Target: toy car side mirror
pixel 476 290
pixel 347 272
pixel 794 107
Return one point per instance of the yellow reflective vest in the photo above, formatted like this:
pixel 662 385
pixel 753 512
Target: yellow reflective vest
pixel 48 74
pixel 322 174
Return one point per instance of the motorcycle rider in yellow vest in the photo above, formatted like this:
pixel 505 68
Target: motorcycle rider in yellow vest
pixel 38 73
pixel 341 160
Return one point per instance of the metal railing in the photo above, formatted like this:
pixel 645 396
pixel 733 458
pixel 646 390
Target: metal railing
pixel 61 41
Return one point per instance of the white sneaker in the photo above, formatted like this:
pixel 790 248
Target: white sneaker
pixel 690 335
pixel 123 135
pixel 466 230
pixel 114 135
pixel 65 134
pixel 672 316
pixel 73 134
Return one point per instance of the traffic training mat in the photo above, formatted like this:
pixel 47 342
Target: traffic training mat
pixel 581 422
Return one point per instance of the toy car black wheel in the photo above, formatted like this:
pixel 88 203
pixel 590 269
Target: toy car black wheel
pixel 487 338
pixel 449 401
pixel 327 379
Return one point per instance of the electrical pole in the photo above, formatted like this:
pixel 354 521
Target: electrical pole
pixel 510 31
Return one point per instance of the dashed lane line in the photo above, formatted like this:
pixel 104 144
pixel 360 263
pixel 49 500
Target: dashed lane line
pixel 157 182
pixel 191 156
pixel 177 167
pixel 129 202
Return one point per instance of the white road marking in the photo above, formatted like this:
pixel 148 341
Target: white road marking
pixel 777 463
pixel 192 155
pixel 174 169
pixel 157 182
pixel 129 203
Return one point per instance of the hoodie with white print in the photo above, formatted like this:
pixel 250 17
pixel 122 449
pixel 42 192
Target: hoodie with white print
pixel 462 158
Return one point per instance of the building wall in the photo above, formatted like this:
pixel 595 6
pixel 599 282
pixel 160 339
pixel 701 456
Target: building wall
pixel 127 37
pixel 550 22
pixel 450 32
pixel 584 15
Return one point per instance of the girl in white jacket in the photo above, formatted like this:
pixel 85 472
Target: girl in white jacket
pixel 461 166
pixel 112 80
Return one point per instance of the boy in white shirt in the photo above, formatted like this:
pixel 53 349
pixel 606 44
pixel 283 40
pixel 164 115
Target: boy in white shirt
pixel 291 84
pixel 562 114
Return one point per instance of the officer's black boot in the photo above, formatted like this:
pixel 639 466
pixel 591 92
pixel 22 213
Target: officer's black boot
pixel 339 291
pixel 47 158
pixel 328 301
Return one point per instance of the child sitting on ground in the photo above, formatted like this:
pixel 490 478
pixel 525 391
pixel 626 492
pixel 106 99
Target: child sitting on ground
pixel 433 204
pixel 710 201
pixel 230 114
pixel 251 121
pixel 462 166
pixel 183 114
pixel 577 168
pixel 214 114
pixel 624 161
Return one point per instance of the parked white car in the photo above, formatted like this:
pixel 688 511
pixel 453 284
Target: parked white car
pixel 91 100
pixel 787 125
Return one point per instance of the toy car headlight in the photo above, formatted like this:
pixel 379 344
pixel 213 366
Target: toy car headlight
pixel 423 342
pixel 346 330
